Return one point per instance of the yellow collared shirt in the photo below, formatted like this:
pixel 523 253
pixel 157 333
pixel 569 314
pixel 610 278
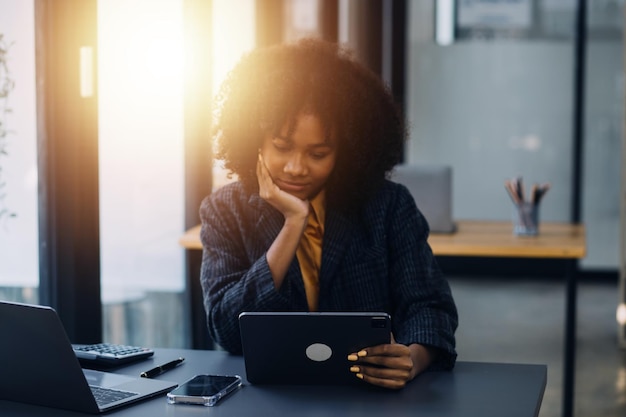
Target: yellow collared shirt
pixel 309 250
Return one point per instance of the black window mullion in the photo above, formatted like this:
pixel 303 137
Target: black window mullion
pixel 69 247
pixel 198 155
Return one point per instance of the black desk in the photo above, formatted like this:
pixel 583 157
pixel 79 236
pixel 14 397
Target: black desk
pixel 563 242
pixel 472 389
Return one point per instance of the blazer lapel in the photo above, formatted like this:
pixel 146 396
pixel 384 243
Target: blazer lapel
pixel 337 238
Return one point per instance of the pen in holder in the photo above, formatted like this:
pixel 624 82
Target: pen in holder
pixel 525 213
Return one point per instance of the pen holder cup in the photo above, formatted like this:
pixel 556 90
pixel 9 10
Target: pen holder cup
pixel 526 219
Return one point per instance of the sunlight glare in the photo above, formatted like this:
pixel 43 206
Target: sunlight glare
pixel 231 40
pixel 154 59
pixel 141 132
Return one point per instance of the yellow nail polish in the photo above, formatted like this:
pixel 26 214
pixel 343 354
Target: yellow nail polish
pixel 362 353
pixel 360 376
pixel 352 357
pixel 354 369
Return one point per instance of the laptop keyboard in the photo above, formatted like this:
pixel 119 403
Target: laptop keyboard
pixel 105 396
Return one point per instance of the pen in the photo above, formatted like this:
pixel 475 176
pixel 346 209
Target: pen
pixel 534 194
pixel 510 187
pixel 161 369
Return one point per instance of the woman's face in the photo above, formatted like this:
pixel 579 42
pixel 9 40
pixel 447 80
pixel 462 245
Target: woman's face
pixel 301 163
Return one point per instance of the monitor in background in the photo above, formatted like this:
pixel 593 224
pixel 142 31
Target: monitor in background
pixel 431 187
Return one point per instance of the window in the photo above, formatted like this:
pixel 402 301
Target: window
pixel 140 46
pixel 142 172
pixel 19 257
pixel 498 100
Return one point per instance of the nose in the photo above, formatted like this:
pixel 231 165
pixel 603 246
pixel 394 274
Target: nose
pixel 295 165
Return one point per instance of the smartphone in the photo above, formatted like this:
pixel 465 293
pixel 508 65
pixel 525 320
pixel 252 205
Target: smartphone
pixel 204 389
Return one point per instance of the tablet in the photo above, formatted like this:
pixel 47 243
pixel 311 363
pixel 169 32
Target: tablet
pixel 308 348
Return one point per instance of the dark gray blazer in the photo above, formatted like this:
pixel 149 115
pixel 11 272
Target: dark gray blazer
pixel 378 261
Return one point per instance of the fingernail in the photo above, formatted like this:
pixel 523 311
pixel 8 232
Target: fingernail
pixel 362 353
pixel 360 376
pixel 354 369
pixel 353 357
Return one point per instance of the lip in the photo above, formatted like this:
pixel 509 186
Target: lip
pixel 291 186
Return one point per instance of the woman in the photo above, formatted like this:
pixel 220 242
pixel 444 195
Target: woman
pixel 312 223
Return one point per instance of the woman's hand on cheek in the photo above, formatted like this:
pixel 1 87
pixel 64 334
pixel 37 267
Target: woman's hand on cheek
pixel 289 205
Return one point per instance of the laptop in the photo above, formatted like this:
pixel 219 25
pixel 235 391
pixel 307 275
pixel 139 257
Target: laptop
pixel 307 348
pixel 431 188
pixel 41 368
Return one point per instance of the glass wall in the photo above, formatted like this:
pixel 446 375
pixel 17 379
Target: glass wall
pixel 603 121
pixel 19 256
pixel 142 200
pixel 140 45
pixel 495 100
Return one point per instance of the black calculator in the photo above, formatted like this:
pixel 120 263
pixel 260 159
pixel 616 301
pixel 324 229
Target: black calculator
pixel 110 354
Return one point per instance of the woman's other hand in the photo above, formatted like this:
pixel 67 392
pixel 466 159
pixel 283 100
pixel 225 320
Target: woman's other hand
pixel 390 365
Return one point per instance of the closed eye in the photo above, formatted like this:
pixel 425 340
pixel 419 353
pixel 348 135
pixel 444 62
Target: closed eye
pixel 319 155
pixel 281 145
